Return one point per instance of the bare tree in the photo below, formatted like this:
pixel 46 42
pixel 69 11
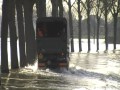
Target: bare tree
pixel 79 25
pixel 54 8
pixel 115 11
pixel 88 22
pixel 21 34
pixel 98 10
pixel 106 6
pixel 4 35
pixel 13 36
pixel 41 8
pixel 106 25
pixel 29 31
pixel 57 8
pixel 60 8
pixel 71 25
pixel 88 7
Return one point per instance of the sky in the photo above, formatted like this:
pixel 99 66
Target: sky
pixel 2 0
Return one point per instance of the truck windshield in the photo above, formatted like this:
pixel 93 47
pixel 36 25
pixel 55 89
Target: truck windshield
pixel 50 29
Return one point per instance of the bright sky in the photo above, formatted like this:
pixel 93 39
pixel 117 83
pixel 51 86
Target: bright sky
pixel 72 1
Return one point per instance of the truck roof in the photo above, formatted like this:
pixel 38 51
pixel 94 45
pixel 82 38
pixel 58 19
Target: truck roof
pixel 52 19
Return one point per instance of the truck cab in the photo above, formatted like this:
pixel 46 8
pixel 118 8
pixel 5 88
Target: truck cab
pixel 51 38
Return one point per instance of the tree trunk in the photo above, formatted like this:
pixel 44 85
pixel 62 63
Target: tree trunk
pixel 88 23
pixel 79 26
pixel 115 31
pixel 41 8
pixel 106 25
pixel 21 33
pixel 4 35
pixel 98 23
pixel 54 8
pixel 106 31
pixel 98 30
pixel 29 32
pixel 13 36
pixel 60 8
pixel 71 26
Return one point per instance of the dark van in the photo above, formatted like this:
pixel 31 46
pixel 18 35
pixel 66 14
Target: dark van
pixel 51 37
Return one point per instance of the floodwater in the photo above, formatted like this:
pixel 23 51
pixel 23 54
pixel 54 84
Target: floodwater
pixel 87 71
pixel 92 71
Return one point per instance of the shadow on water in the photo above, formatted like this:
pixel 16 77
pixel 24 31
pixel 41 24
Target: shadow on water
pixel 50 79
pixel 62 79
pixel 84 73
pixel 39 80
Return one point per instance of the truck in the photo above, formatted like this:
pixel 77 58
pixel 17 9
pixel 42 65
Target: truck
pixel 52 43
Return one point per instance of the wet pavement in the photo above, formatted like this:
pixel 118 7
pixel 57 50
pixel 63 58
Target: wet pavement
pixel 92 71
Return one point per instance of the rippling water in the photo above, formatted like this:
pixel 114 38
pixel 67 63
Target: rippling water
pixel 86 72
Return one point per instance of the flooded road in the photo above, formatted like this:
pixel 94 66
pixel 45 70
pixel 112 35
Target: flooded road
pixel 98 71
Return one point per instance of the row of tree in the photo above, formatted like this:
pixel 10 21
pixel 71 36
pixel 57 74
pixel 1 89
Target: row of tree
pixel 100 8
pixel 23 10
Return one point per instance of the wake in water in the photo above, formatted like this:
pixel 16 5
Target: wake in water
pixel 60 79
pixel 87 72
pixel 73 72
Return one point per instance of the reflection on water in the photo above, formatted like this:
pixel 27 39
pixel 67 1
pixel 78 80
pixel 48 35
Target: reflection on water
pixel 87 72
